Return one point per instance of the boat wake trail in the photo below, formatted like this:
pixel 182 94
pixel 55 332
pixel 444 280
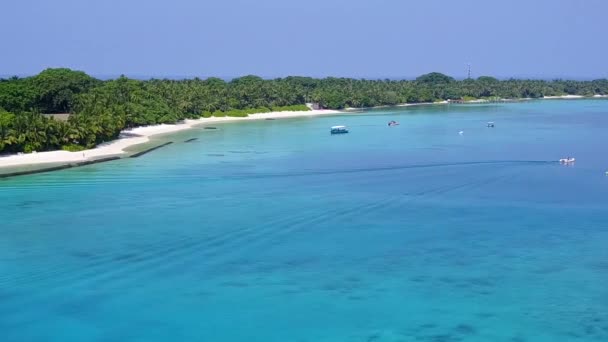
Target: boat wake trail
pixel 390 168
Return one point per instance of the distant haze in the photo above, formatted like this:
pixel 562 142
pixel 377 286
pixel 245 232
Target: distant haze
pixel 274 38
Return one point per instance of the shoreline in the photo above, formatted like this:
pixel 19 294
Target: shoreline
pixel 116 149
pixel 354 109
pixel 476 101
pixel 564 97
pixel 17 164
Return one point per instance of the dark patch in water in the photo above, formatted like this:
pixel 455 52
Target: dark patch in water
pixel 485 293
pixel 353 279
pixel 125 257
pixel 590 330
pixel 465 329
pixel 330 287
pixel 593 330
pixel 485 315
pixel 600 265
pixel 344 288
pixel 517 339
pixel 4 296
pixel 81 305
pixel 29 203
pixel 83 255
pixel 573 334
pixel 215 155
pixel 550 269
pixel 190 140
pixel 372 338
pixel 201 293
pixel 210 127
pixel 447 280
pixel 418 279
pixel 483 282
pixel 300 262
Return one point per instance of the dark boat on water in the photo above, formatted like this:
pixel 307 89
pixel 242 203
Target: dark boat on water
pixel 339 130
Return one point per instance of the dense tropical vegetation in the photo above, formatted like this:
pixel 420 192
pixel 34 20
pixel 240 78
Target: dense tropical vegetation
pixel 101 109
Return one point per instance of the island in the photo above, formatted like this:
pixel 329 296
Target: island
pixel 70 112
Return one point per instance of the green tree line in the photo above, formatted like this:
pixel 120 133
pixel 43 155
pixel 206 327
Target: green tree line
pixel 101 109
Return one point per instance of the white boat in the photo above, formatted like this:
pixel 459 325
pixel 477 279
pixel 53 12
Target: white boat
pixel 338 130
pixel 567 160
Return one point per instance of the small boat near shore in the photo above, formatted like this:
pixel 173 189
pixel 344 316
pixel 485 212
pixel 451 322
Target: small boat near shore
pixel 393 123
pixel 567 161
pixel 338 130
pixel 491 124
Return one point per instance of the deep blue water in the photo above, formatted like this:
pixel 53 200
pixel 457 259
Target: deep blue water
pixel 278 231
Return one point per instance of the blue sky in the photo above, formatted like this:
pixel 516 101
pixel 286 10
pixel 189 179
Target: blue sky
pixel 273 38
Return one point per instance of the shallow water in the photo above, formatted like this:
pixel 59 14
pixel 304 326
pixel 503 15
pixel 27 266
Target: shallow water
pixel 278 231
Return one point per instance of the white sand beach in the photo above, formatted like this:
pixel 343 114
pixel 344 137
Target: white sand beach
pixel 350 109
pixel 563 97
pixel 136 136
pixel 422 103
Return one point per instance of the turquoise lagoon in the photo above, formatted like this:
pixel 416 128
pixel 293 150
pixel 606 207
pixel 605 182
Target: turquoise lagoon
pixel 278 231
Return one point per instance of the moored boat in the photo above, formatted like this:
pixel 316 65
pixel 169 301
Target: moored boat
pixel 567 160
pixel 339 130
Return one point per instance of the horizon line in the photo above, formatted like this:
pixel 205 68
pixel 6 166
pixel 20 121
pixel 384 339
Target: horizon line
pixel 143 77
